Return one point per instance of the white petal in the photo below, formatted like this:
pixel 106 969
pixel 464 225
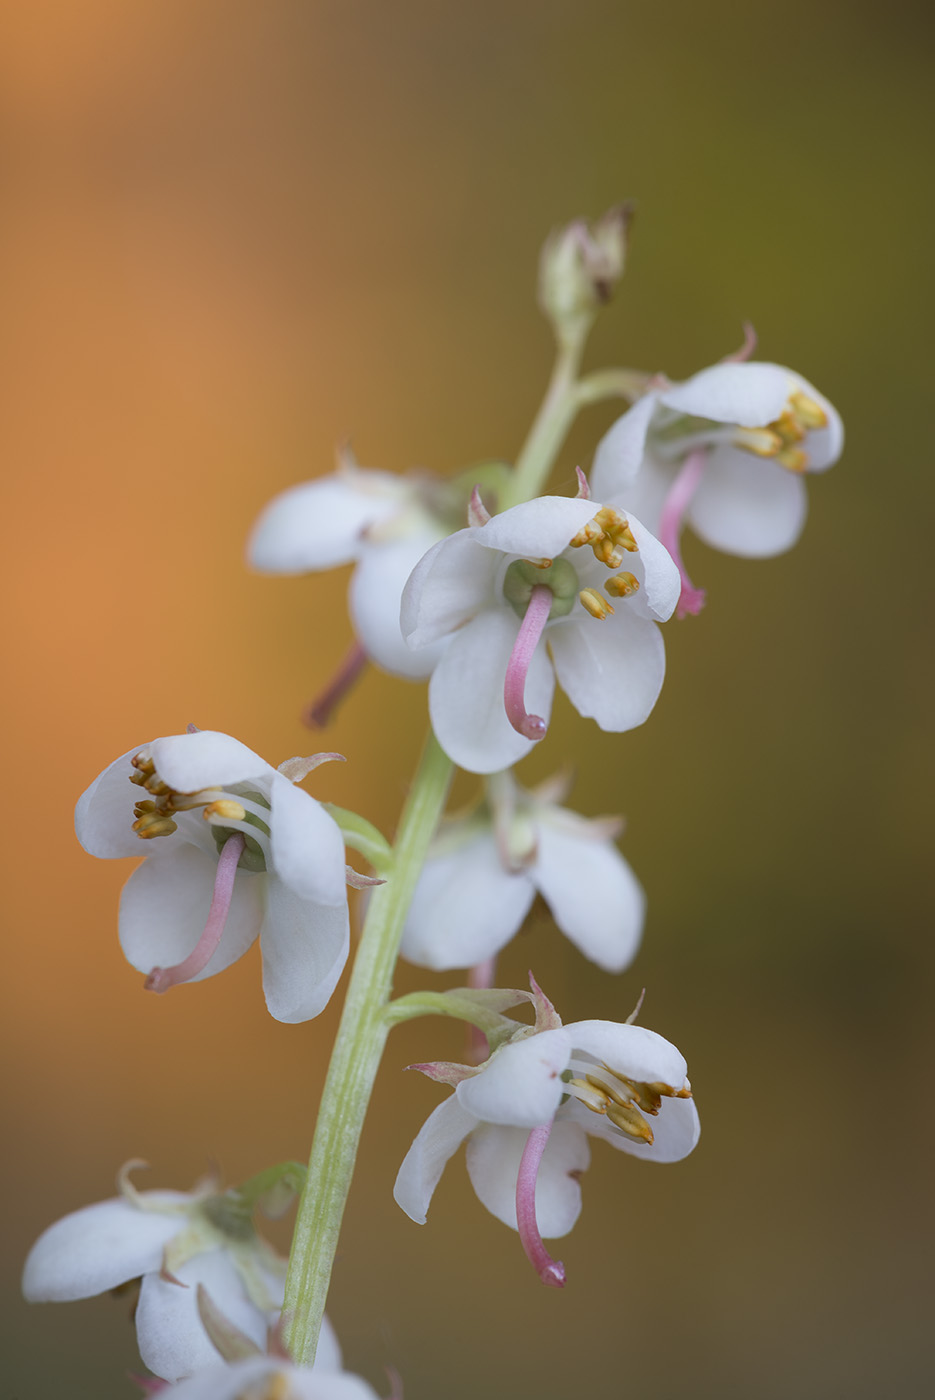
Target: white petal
pixel 676 1130
pixel 521 1085
pixel 611 671
pixel 305 946
pixel 438 1140
pixel 246 1378
pixel 493 1158
pixel 446 588
pixel 466 694
pixel 751 394
pixel 307 845
pixel 173 1342
pixel 466 907
pixel 104 814
pixel 593 894
pixel 824 445
pixel 319 524
pixel 633 1051
pixel 375 597
pixel 540 528
pixel 620 451
pixel 645 495
pixel 205 759
pixel 164 905
pixel 95 1249
pixel 659 579
pixel 328 1353
pixel 748 505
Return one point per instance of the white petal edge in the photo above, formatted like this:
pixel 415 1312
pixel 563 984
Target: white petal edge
pixel 233 1382
pixel 205 759
pixel 676 1130
pixel 305 947
pixel 595 898
pixel 319 524
pixel 751 394
pixel 466 694
pixel 172 1339
pixel 447 587
pixel 466 907
pixel 104 812
pixel 540 528
pixel 521 1085
pixel 438 1140
pixel 493 1158
pixel 748 506
pixel 97 1248
pixel 375 597
pixel 620 451
pixel 611 671
pixel 633 1051
pixel 306 843
pixel 661 583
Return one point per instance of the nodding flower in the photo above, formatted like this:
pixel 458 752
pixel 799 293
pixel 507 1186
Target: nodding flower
pixel 235 851
pixel 526 1114
pixel 536 594
pixel 724 454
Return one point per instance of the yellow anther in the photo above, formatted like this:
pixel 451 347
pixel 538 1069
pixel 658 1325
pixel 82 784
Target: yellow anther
pixel 630 1121
pixel 793 459
pixel 622 585
pixel 592 601
pixel 809 413
pixel 540 563
pixel 668 1092
pixel 152 824
pixel 763 442
pixel 607 534
pixel 225 809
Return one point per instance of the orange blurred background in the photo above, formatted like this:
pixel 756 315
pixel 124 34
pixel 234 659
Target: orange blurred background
pixel 235 233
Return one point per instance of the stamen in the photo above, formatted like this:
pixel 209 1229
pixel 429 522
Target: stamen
pixel 593 603
pixel 622 585
pixel 514 686
pixel 683 488
pixel 162 978
pixel 321 710
pixel 551 1271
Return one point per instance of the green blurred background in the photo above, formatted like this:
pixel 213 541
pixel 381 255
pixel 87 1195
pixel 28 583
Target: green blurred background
pixel 236 232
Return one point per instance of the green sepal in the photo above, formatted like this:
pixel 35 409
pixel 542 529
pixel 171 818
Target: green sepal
pixel 362 836
pixel 480 1007
pixel 272 1190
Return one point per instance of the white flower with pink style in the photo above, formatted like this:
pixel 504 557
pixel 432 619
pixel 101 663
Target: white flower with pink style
pixel 536 594
pixel 235 852
pixel 526 1115
pixel 725 453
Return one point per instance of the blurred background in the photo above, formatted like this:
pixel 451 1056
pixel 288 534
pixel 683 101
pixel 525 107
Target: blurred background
pixel 234 234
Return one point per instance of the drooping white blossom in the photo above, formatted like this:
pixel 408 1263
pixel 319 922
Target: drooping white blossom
pixel 526 598
pixel 271 1378
pixel 380 522
pixel 234 851
pixel 725 453
pixel 173 1241
pixel 486 867
pixel 526 1115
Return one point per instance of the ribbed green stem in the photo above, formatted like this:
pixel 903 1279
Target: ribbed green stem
pixel 555 417
pixel 355 1061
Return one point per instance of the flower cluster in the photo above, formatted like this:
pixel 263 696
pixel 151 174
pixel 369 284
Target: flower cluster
pixel 494 591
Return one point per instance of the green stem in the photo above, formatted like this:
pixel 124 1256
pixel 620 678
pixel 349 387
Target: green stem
pixel 355 1061
pixel 555 417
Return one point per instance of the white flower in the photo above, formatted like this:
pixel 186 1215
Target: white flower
pixel 724 452
pixel 273 1378
pixel 173 1241
pixel 526 1115
pixel 234 851
pixel 485 869
pixel 380 522
pixel 525 593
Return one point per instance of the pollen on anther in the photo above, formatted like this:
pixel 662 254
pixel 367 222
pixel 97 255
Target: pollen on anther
pixel 593 603
pixel 622 585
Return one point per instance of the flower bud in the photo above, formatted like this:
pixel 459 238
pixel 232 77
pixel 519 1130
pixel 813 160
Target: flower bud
pixel 579 266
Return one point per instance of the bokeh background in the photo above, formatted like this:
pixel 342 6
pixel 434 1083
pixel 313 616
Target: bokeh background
pixel 234 233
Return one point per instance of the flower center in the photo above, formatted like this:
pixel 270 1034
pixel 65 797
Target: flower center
pixel 610 537
pixel 781 439
pixel 623 1101
pixel 226 811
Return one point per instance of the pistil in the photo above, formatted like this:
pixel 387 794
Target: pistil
pixel 162 978
pixel 551 1271
pixel 320 711
pixel 514 686
pixel 678 499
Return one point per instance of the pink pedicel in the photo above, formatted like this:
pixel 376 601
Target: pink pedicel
pixel 550 1271
pixel 683 488
pixel 162 978
pixel 514 686
pixel 321 710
